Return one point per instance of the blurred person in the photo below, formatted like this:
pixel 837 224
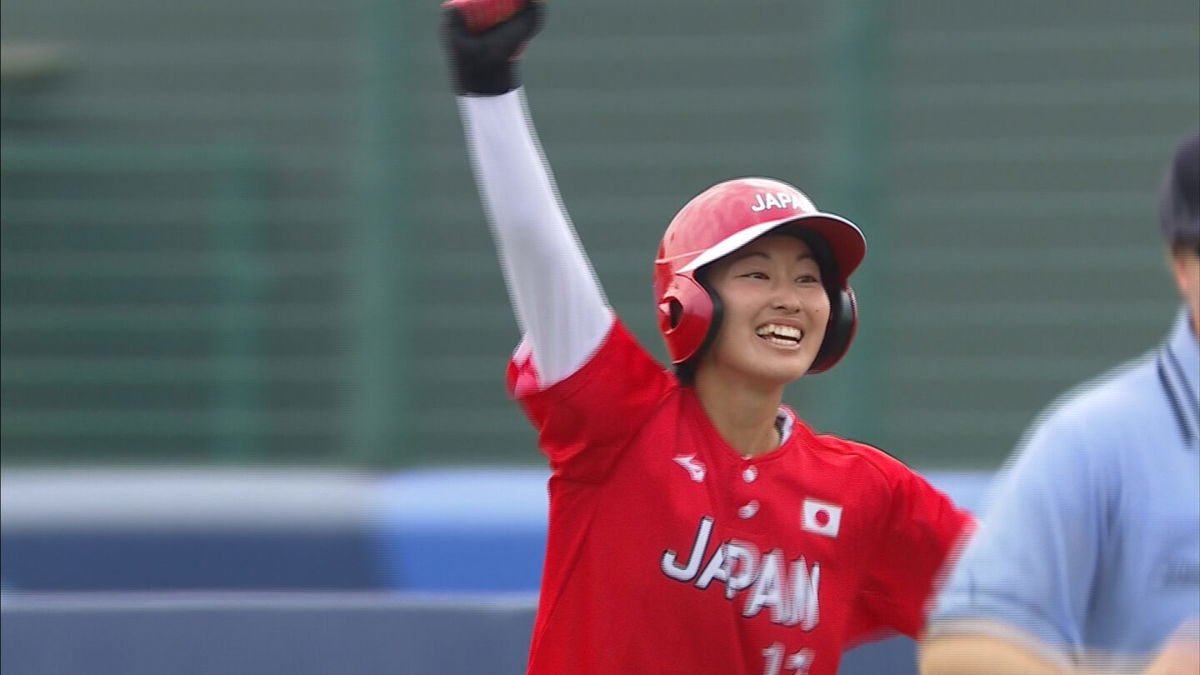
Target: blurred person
pixel 1088 557
pixel 697 524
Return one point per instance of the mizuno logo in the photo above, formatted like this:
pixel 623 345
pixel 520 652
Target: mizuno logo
pixel 695 468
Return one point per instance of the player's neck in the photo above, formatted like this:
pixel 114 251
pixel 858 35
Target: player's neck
pixel 743 415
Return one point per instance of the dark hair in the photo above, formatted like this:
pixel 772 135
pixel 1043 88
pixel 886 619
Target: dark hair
pixel 822 252
pixel 1179 202
pixel 1184 246
pixel 686 372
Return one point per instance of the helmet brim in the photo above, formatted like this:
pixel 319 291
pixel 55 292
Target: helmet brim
pixel 845 239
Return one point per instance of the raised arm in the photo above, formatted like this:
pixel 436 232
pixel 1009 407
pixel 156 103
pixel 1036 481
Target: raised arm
pixel 559 305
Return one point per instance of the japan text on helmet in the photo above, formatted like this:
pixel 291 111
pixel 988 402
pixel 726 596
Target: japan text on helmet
pixel 726 217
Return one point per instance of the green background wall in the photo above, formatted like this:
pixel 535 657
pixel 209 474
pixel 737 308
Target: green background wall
pixel 246 232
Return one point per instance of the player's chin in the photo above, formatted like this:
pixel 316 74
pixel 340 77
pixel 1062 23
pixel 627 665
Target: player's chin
pixel 785 369
pixel 788 363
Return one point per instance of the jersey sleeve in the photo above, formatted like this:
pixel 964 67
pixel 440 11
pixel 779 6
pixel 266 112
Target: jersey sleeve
pixel 922 530
pixel 585 421
pixel 1028 570
pixel 559 304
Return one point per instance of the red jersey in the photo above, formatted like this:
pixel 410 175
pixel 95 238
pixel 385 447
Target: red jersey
pixel 670 553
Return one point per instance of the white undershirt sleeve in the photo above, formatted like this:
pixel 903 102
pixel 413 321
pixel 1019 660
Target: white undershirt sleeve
pixel 559 304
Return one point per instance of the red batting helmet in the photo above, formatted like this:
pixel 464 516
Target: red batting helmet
pixel 726 217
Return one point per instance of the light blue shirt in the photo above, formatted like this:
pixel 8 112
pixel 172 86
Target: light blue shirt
pixel 1092 537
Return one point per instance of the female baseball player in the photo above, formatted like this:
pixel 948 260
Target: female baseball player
pixel 696 524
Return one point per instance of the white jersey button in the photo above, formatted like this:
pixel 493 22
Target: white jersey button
pixel 750 474
pixel 749 510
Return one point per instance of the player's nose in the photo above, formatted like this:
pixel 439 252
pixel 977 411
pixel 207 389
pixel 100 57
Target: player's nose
pixel 786 298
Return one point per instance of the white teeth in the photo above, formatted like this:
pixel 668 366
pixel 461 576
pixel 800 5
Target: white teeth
pixel 778 332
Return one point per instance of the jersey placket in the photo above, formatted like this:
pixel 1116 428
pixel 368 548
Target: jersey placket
pixel 748 501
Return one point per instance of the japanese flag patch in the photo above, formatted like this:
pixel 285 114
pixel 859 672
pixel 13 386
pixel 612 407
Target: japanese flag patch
pixel 821 517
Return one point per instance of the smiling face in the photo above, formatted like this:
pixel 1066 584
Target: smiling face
pixel 775 310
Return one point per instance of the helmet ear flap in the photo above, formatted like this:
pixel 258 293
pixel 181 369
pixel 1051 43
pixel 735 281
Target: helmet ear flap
pixel 685 315
pixel 839 332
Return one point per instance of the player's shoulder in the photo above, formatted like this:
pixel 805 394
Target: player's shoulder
pixel 620 351
pixel 1095 422
pixel 617 365
pixel 1117 400
pixel 1119 391
pixel 872 475
pixel 858 455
